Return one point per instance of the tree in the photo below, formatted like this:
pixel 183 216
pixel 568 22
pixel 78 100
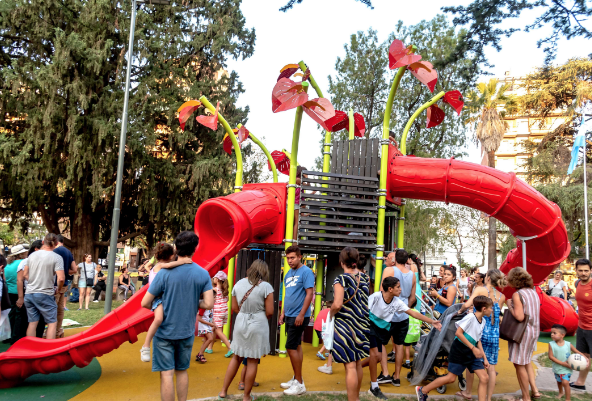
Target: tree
pixel 490 128
pixel 553 98
pixel 290 4
pixel 421 224
pixel 62 78
pixel 463 229
pixel 485 18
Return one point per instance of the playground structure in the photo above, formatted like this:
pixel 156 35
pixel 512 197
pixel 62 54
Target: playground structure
pixel 357 203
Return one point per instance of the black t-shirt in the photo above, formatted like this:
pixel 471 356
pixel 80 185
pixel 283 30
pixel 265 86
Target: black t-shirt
pixel 68 259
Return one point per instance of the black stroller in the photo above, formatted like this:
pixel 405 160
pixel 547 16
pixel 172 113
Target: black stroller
pixel 431 354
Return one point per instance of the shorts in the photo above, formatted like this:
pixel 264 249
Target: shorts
pixel 399 331
pixel 562 376
pixel 459 368
pixel 584 340
pixel 294 333
pixel 155 303
pixel 41 305
pixel 410 344
pixel 297 206
pixel 319 335
pixel 171 354
pixel 375 342
pixel 83 283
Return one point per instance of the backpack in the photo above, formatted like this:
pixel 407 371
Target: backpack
pixel 74 295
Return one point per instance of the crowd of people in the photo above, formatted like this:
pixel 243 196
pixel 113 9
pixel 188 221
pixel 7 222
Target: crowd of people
pixel 35 281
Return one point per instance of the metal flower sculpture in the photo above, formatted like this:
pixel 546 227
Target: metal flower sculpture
pixel 282 162
pixel 242 134
pixel 436 114
pixel 341 121
pixel 186 110
pixel 288 94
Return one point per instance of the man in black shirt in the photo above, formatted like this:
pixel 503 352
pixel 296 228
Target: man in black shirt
pixel 69 270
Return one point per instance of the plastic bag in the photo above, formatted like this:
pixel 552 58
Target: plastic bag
pixel 328 331
pixel 4 325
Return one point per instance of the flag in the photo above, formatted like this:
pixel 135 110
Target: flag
pixel 579 142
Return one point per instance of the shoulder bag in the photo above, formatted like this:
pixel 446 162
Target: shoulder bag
pixel 511 329
pixel 247 295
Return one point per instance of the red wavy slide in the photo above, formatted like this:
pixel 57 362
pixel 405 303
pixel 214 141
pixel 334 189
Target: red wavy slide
pixel 502 195
pixel 225 225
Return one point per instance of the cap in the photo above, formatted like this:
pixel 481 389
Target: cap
pixel 221 276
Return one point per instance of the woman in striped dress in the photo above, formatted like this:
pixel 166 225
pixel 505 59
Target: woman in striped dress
pixel 352 321
pixel 525 301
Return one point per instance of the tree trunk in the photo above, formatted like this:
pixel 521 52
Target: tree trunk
pixel 492 241
pixel 83 233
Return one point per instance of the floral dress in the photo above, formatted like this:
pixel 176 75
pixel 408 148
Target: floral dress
pixel 220 308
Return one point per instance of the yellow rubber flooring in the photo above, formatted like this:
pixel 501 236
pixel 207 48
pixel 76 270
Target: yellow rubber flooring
pixel 125 377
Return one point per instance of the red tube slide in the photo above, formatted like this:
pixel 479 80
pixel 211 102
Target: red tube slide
pixel 502 195
pixel 226 225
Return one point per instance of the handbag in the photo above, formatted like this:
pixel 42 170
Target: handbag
pixel 511 329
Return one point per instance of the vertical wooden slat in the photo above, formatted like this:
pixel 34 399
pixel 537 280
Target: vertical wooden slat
pixel 375 161
pixel 337 165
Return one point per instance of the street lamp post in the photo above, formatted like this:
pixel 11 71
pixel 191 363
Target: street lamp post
pixel 121 157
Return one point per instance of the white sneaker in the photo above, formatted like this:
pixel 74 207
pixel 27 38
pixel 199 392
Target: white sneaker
pixel 296 389
pixel 325 369
pixel 145 354
pixel 95 301
pixel 289 383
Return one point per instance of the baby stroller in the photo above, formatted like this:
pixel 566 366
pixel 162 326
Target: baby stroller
pixel 431 354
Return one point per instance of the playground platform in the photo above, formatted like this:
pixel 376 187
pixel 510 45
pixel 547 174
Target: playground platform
pixel 120 375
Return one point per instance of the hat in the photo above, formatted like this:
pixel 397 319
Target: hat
pixel 221 276
pixel 17 250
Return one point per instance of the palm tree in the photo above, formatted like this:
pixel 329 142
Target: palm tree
pixel 488 106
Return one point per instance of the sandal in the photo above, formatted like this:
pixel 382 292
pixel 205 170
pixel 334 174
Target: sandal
pixel 200 358
pixel 461 394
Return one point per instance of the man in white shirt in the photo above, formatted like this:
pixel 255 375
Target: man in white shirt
pixel 40 297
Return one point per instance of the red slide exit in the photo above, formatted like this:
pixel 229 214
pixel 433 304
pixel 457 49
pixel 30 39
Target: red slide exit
pixel 502 195
pixel 226 225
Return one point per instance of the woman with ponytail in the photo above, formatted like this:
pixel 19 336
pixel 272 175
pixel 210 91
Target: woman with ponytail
pixel 490 338
pixel 352 322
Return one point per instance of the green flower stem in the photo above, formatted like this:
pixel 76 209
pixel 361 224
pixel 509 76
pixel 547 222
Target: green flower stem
pixel 412 119
pixel 267 154
pixel 383 175
pixel 238 183
pixel 291 202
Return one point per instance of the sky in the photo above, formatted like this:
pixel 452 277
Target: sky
pixel 316 32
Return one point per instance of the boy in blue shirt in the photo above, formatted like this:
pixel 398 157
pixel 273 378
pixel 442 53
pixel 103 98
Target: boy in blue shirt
pixel 466 351
pixel 559 351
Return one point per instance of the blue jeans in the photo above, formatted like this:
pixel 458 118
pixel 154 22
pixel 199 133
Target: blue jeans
pixel 171 354
pixel 41 304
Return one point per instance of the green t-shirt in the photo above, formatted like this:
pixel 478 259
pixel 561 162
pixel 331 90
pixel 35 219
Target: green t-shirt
pixel 10 276
pixel 561 353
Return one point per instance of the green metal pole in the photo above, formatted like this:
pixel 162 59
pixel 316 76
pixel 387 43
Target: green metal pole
pixel 290 211
pixel 267 154
pixel 238 186
pixel 401 225
pixel 319 290
pixel 383 176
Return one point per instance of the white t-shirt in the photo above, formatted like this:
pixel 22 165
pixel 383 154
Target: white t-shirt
pixel 463 286
pixel 381 313
pixel 557 289
pixel 473 329
pixel 42 267
pixel 87 270
pixel 21 267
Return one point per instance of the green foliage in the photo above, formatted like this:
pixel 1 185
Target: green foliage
pixel 421 224
pixel 62 78
pixel 290 4
pixel 484 19
pixel 463 229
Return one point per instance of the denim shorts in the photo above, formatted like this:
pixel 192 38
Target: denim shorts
pixel 171 354
pixel 459 368
pixel 41 305
pixel 155 303
pixel 564 376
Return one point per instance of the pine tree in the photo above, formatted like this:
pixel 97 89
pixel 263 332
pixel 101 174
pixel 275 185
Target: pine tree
pixel 62 81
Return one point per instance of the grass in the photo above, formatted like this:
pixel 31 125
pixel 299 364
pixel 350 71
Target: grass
pixel 90 316
pixel 545 362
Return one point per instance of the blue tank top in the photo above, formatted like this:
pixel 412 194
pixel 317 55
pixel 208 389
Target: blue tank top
pixel 441 307
pixel 406 280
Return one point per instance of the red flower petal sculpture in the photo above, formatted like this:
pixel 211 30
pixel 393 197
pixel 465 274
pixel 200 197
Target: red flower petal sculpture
pixel 282 162
pixel 186 110
pixel 399 55
pixel 425 72
pixel 455 100
pixel 287 95
pixel 338 122
pixel 242 134
pixel 320 110
pixel 435 116
pixel 359 125
pixel 288 70
pixel 210 121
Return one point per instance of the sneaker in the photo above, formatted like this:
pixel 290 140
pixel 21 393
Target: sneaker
pixel 420 396
pixel 288 384
pixel 382 379
pixel 377 393
pixel 66 309
pixel 391 354
pixel 96 301
pixel 407 365
pixel 396 382
pixel 145 354
pixel 296 389
pixel 325 369
pixel 321 356
pixel 577 387
pixel 392 359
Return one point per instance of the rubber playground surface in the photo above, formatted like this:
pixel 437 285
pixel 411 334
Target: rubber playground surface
pixel 120 375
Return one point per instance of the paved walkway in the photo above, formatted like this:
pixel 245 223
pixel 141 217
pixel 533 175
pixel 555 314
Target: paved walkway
pixel 546 379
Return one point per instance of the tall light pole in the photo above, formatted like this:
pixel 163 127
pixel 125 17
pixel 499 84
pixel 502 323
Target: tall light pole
pixel 121 158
